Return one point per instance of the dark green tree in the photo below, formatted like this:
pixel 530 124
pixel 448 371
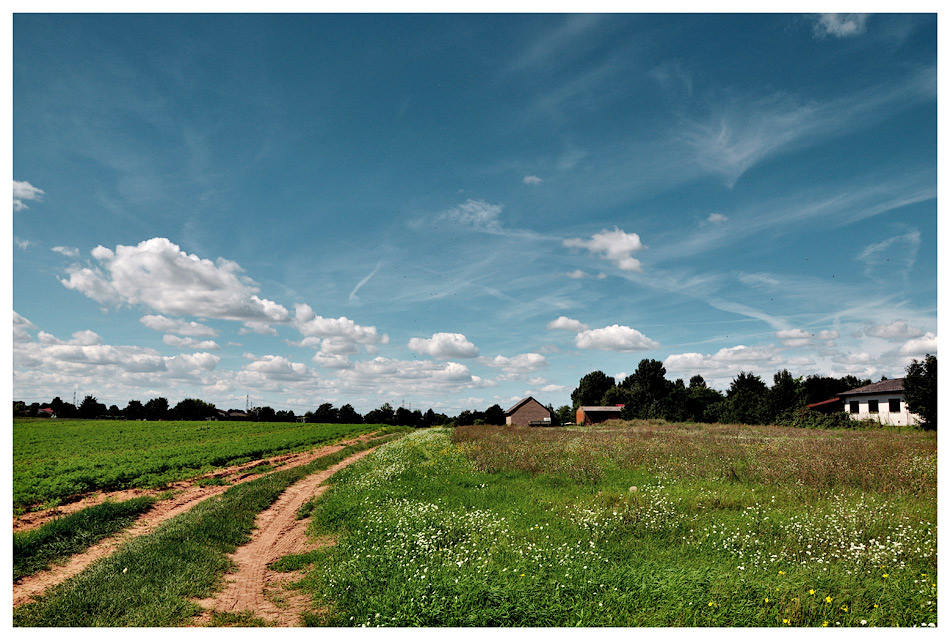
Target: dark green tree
pixel 348 415
pixel 786 395
pixel 591 389
pixel 156 409
pixel 495 415
pixel 648 391
pixel 326 414
pixel 920 390
pixel 746 400
pixel 193 409
pixel 91 408
pixel 134 410
pixel 383 415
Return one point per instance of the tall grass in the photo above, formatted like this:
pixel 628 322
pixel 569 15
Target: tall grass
pixel 631 525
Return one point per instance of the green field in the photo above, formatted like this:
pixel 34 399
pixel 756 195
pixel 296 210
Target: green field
pixel 54 460
pixel 631 525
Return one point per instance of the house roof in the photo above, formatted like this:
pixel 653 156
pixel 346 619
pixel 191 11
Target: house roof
pixel 520 404
pixel 884 386
pixel 823 403
pixel 615 408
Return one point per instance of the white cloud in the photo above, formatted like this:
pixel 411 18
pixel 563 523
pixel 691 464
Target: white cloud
pixel 567 324
pixel 716 218
pixel 532 180
pixel 840 25
pixel 725 364
pixel 794 337
pixel 398 377
pixel 23 244
pixel 477 214
pixel 273 367
pixel 920 346
pixel 189 343
pixel 69 252
pixel 156 273
pixel 800 338
pixel 24 191
pixel 897 330
pixel 579 274
pixel 180 327
pixel 341 330
pixel 615 246
pixel 444 346
pixel 614 338
pixel 520 364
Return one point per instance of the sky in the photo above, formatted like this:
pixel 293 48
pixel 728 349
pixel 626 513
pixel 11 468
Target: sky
pixel 460 210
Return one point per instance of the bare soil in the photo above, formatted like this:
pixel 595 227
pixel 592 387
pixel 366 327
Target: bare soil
pixel 252 588
pixel 185 495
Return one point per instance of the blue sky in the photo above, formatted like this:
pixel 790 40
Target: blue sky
pixel 454 211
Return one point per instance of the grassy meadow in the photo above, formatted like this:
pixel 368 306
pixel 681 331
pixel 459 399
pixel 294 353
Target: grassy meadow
pixel 631 524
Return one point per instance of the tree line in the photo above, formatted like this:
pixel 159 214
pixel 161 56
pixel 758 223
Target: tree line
pixel 647 393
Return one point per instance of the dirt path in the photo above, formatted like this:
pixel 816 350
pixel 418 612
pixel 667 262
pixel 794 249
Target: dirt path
pixel 255 589
pixel 186 496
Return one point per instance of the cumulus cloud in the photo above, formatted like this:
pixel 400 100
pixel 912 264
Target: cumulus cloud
pixel 614 246
pixel 921 346
pixel 24 191
pixel 397 377
pixel 156 273
pixel 614 338
pixel 273 367
pixel 566 324
pixel 341 330
pixel 532 180
pixel 520 364
pixel 800 338
pixel 189 343
pixel 69 252
pixel 444 346
pixel 840 25
pixel 897 330
pixel 727 362
pixel 180 327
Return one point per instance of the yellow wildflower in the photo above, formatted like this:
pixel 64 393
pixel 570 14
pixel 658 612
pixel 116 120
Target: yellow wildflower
pixel 828 599
pixel 785 620
pixel 811 592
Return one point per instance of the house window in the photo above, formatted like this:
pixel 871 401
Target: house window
pixel 894 405
pixel 872 406
pixel 854 406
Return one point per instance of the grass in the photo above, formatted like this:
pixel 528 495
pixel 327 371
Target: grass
pixel 59 539
pixel 638 524
pixel 150 580
pixel 62 459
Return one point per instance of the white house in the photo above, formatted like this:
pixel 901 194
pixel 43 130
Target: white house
pixel 882 401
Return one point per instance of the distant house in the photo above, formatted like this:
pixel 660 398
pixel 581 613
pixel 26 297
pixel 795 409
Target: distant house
pixel 882 401
pixel 528 413
pixel 46 412
pixel 596 415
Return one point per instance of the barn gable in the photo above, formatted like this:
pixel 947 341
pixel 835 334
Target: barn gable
pixel 528 412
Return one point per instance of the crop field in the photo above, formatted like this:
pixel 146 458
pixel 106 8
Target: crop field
pixel 55 460
pixel 625 524
pixel 634 524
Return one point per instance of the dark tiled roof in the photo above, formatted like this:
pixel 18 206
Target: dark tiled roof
pixel 884 386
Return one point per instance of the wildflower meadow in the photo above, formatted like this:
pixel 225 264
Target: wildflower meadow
pixel 631 524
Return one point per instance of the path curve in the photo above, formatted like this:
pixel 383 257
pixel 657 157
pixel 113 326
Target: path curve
pixel 25 589
pixel 277 533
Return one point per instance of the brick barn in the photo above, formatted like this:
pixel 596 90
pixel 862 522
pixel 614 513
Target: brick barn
pixel 528 413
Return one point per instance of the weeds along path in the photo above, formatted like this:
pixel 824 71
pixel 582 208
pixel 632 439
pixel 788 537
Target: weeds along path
pixel 185 497
pixel 253 588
